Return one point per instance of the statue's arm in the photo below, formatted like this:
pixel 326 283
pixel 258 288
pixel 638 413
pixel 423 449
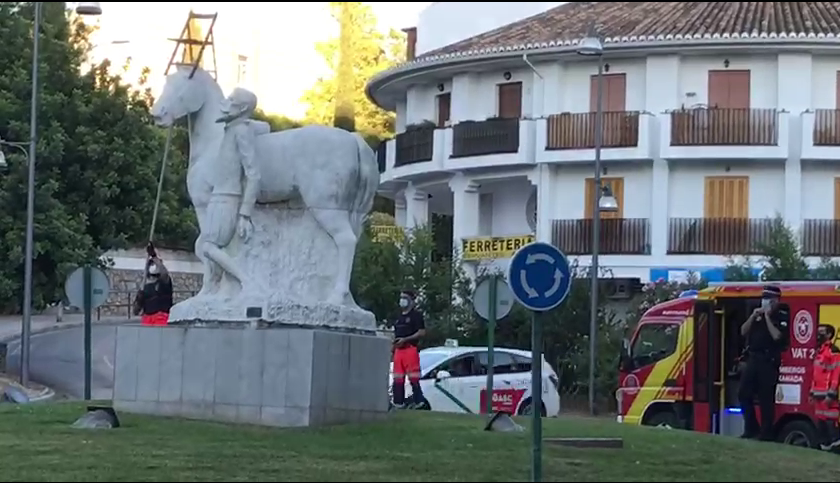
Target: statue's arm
pixel 245 141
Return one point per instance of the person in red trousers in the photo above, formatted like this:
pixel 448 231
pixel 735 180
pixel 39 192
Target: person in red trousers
pixel 409 328
pixel 154 300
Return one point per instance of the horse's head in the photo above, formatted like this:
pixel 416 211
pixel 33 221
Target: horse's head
pixel 182 95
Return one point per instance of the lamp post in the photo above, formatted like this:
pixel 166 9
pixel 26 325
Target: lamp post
pixel 603 200
pixel 82 8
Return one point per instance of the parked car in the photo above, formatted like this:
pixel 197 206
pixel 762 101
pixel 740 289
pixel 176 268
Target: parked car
pixel 454 379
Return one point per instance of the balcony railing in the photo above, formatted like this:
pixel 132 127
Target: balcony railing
pixel 577 131
pixel 382 156
pixel 724 127
pixel 821 238
pixel 827 127
pixel 493 136
pixel 618 236
pixel 415 145
pixel 718 236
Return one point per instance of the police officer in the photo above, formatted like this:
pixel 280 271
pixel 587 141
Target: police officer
pixel 767 334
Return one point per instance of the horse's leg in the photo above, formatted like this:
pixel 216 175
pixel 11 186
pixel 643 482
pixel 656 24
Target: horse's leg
pixel 208 282
pixel 337 224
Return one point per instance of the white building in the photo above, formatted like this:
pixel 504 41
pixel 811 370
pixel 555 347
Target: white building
pixel 718 115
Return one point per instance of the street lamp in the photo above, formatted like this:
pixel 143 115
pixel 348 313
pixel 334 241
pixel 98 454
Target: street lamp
pixel 591 46
pixel 82 8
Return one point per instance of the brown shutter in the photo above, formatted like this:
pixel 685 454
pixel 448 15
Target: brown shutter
pixel 510 100
pixel 615 93
pixel 444 102
pixel 729 89
pixel 727 197
pixel 616 186
pixel 837 91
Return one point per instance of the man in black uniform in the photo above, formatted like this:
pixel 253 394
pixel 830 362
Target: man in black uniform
pixel 767 336
pixel 408 329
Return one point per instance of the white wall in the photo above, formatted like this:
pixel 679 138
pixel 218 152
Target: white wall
pixel 475 96
pixel 444 23
pixel 818 190
pixel 824 85
pixel 570 186
pixel 687 187
pixel 509 200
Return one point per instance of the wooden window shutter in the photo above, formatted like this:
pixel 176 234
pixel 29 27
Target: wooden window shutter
pixel 617 187
pixel 444 103
pixel 510 100
pixel 727 197
pixel 837 198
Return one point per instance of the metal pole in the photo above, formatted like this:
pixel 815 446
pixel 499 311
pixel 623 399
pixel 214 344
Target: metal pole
pixel 596 233
pixel 87 304
pixel 26 325
pixel 491 337
pixel 536 397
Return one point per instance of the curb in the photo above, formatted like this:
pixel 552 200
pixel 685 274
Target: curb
pixel 69 325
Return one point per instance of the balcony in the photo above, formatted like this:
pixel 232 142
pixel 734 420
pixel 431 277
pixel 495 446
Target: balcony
pixel 821 134
pixel 417 151
pixel 618 236
pixel 725 134
pixel 821 238
pixel 717 236
pixel 570 137
pixel 415 145
pixel 492 143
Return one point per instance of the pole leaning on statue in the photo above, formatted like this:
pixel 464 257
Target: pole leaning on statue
pixel 540 279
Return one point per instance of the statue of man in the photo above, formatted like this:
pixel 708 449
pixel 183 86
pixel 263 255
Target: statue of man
pixel 235 184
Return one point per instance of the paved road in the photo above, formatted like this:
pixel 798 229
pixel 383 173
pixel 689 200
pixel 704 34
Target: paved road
pixel 57 360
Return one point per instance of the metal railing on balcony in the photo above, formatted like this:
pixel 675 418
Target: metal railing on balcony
pixel 416 145
pixel 724 127
pixel 618 236
pixel 577 130
pixel 493 136
pixel 718 236
pixel 821 238
pixel 382 156
pixel 827 127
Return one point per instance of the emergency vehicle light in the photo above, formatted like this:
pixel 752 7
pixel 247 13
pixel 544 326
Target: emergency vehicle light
pixel 734 410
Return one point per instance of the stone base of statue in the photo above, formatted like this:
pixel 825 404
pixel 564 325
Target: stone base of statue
pixel 241 373
pixel 290 266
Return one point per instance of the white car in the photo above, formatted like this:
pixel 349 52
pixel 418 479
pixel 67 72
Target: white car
pixel 454 379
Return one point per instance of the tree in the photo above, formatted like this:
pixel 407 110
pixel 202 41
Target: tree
pixel 98 158
pixel 373 52
pixel 345 110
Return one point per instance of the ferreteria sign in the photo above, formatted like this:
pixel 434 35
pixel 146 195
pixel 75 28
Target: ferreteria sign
pixel 489 248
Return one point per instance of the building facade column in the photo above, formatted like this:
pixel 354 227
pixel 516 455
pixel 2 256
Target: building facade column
pixel 794 71
pixel 416 207
pixel 465 210
pixel 399 209
pixel 542 178
pixel 659 211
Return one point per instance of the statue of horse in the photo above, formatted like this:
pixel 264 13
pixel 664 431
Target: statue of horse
pixel 333 172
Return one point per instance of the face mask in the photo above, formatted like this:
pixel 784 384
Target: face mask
pixel 765 304
pixel 404 303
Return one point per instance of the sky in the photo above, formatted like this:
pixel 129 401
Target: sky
pixel 285 33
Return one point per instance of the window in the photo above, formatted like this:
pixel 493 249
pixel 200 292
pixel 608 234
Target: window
pixel 462 366
pixel 729 89
pixel 510 100
pixel 653 343
pixel 614 93
pixel 522 364
pixel 616 185
pixel 727 197
pixel 242 69
pixel 444 101
pixel 430 359
pixel 502 362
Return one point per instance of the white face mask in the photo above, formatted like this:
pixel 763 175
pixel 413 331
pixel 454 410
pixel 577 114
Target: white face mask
pixel 404 303
pixel 765 304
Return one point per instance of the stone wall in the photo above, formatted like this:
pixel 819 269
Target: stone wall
pixel 125 283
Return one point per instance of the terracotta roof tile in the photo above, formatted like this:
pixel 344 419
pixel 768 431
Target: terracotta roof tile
pixel 649 21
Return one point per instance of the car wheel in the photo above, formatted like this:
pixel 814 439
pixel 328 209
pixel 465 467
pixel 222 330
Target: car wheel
pixel 798 433
pixel 527 409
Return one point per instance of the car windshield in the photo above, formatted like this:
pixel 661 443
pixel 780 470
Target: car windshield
pixel 430 358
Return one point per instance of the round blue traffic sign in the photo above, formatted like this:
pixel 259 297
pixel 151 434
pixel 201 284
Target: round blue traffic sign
pixel 539 276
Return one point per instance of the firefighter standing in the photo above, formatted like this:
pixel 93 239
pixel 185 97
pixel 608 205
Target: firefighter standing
pixel 409 328
pixel 824 389
pixel 767 334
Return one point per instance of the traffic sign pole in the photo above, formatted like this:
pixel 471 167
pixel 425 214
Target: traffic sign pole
pixel 536 397
pixel 87 307
pixel 540 279
pixel 491 336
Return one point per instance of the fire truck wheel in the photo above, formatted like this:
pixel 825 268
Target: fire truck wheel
pixel 798 433
pixel 665 419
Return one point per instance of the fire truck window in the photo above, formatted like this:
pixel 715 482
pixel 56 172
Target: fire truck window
pixel 653 343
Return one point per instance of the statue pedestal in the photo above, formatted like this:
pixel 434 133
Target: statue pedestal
pixel 237 373
pixel 290 264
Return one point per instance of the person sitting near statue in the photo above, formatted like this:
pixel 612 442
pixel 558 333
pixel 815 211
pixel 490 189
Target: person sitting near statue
pixel 154 300
pixel 235 187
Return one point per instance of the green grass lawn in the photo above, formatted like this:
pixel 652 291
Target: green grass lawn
pixel 37 444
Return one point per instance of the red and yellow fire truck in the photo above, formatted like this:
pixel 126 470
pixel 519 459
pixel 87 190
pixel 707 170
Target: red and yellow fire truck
pixel 681 366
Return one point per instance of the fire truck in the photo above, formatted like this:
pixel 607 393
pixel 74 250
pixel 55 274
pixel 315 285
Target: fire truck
pixel 680 368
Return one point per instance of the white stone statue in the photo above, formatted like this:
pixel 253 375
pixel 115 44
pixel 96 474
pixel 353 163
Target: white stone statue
pixel 279 213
